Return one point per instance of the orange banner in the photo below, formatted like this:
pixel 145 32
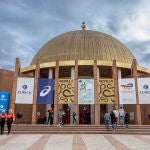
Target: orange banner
pixel 66 91
pixel 106 91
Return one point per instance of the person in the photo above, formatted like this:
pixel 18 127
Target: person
pixel 107 120
pixel 126 119
pixel 10 119
pixel 116 112
pixel 74 118
pixel 3 117
pixel 113 119
pixel 50 116
pixel 121 114
pixel 60 117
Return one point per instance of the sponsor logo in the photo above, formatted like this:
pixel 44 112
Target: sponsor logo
pixel 24 87
pixel 1 106
pixel 145 86
pixel 145 91
pixel 127 86
pixel 45 91
pixel 24 91
pixel 2 96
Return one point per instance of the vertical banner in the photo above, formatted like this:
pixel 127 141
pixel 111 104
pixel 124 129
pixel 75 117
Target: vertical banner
pixel 144 90
pixel 106 91
pixel 45 91
pixel 24 92
pixel 127 94
pixel 66 91
pixel 85 91
pixel 4 101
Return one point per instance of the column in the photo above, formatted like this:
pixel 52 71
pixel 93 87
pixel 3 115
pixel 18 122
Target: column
pixel 76 106
pixel 138 107
pixel 34 106
pixel 14 88
pixel 56 91
pixel 96 104
pixel 115 77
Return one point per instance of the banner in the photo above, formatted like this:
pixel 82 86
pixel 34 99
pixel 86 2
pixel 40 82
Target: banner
pixel 24 92
pixel 144 90
pixel 127 93
pixel 4 101
pixel 106 91
pixel 66 91
pixel 85 91
pixel 45 92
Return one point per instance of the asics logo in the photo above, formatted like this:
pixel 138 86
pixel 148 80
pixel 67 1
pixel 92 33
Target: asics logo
pixel 45 91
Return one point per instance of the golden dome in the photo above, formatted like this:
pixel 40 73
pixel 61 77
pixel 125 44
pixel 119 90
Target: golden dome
pixel 84 45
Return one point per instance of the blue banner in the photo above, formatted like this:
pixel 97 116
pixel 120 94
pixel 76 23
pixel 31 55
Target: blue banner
pixel 45 92
pixel 4 101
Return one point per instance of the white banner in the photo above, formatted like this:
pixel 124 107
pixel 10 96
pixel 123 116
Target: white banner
pixel 144 90
pixel 24 92
pixel 127 93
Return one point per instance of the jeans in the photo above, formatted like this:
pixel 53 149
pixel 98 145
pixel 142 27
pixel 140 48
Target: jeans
pixel 121 120
pixel 107 124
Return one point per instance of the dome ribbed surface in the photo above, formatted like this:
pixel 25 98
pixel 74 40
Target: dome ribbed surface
pixel 83 45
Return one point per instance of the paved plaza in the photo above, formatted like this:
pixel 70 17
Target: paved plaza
pixel 74 142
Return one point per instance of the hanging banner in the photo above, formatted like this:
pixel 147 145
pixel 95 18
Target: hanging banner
pixel 144 90
pixel 85 91
pixel 45 92
pixel 4 101
pixel 66 91
pixel 127 93
pixel 24 92
pixel 106 91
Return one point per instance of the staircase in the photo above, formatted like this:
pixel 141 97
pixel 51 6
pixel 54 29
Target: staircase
pixel 78 129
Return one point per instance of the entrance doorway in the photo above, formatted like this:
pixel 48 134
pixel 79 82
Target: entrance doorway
pixel 84 114
pixel 103 108
pixel 66 117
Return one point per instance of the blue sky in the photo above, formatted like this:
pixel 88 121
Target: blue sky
pixel 26 25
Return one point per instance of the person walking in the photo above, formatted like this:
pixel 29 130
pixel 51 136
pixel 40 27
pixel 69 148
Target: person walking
pixel 10 119
pixel 60 117
pixel 50 116
pixel 126 119
pixel 116 112
pixel 3 117
pixel 107 120
pixel 121 114
pixel 74 118
pixel 113 119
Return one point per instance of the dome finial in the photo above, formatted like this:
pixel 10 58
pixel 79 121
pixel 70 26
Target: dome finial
pixel 83 25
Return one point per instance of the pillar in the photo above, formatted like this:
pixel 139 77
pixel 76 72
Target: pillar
pixel 115 77
pixel 138 107
pixel 34 106
pixel 56 91
pixel 76 106
pixel 16 74
pixel 96 104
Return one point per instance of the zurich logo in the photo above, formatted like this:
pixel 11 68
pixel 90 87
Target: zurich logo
pixel 1 106
pixel 45 91
pixel 2 96
pixel 145 86
pixel 24 87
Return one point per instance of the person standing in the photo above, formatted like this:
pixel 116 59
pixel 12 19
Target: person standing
pixel 116 112
pixel 113 119
pixel 50 116
pixel 10 119
pixel 121 114
pixel 126 119
pixel 107 120
pixel 74 118
pixel 3 117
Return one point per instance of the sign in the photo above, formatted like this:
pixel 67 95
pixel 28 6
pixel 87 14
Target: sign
pixel 85 91
pixel 24 92
pixel 66 91
pixel 45 92
pixel 106 91
pixel 127 91
pixel 4 101
pixel 144 90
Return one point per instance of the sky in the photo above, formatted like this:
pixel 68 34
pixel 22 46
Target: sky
pixel 26 25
